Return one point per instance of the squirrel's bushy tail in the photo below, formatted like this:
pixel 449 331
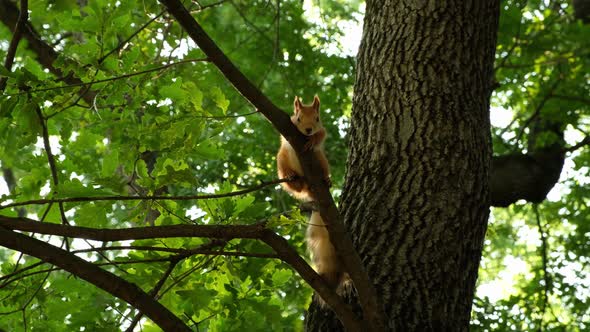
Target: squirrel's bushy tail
pixel 323 253
pixel 298 188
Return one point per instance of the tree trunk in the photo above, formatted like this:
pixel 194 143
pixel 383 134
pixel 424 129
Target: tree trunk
pixel 416 196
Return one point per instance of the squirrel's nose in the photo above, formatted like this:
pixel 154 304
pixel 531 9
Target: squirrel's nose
pixel 308 130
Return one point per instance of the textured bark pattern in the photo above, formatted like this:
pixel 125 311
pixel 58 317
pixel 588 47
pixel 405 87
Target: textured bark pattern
pixel 416 196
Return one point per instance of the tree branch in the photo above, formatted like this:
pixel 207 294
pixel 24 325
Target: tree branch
pixel 582 143
pixel 372 309
pixel 257 231
pixel 524 176
pixel 95 275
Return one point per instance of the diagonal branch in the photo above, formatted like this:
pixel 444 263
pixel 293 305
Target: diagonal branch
pixel 23 18
pixel 46 55
pixel 372 310
pixel 582 143
pixel 95 275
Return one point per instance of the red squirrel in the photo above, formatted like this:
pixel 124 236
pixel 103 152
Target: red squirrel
pixel 307 120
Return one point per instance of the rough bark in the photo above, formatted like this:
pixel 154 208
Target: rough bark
pixel 416 196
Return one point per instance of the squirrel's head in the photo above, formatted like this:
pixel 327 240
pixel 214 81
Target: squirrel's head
pixel 307 117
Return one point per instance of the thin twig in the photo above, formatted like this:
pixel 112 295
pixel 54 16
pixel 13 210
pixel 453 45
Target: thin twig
pixel 123 43
pixel 516 39
pixel 93 274
pixel 69 86
pixel 181 253
pixel 546 277
pixel 53 168
pixel 211 5
pixel 186 274
pixel 148 197
pixel 584 142
pixel 26 275
pixel 537 111
pixel 251 24
pixel 10 275
pixel 160 284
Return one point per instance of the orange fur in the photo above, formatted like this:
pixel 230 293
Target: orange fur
pixel 307 120
pixel 324 256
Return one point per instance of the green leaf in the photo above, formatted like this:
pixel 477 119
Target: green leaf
pixel 242 204
pixel 110 162
pixel 195 95
pixel 209 150
pixel 280 277
pixel 174 91
pixel 220 99
pixel 6 73
pixel 75 188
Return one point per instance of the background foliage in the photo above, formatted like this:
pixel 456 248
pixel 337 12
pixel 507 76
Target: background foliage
pixel 181 129
pixel 535 274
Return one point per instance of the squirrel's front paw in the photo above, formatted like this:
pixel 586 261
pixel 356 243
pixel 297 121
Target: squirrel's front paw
pixel 309 144
pixel 291 177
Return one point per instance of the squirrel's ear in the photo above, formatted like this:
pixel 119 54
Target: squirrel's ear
pixel 297 104
pixel 316 102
